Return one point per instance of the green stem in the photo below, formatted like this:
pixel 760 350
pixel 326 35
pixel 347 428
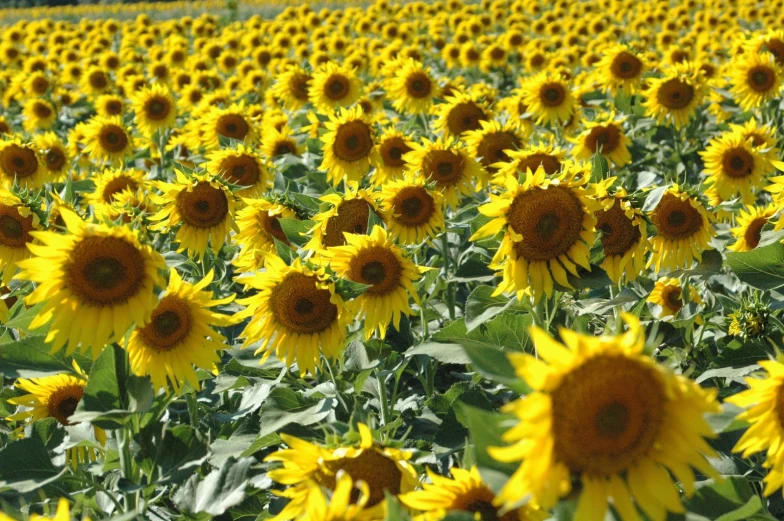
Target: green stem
pixel 450 295
pixel 382 394
pixel 337 389
pixel 126 463
pixel 193 409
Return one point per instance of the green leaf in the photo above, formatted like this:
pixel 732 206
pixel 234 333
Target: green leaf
pixel 284 251
pixel 485 429
pixel 49 432
pixel 727 372
pixel 481 306
pixel 281 410
pixel 25 466
pixel 600 168
pixel 493 364
pixel 761 268
pixel 30 358
pixel 731 499
pixel 220 490
pixel 444 353
pixel 374 220
pixel 102 392
pixel 653 198
pixel 182 451
pixel 22 320
pixel 296 231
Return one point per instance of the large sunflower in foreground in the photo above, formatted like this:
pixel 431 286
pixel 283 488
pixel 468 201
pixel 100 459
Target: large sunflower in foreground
pixel 748 231
pixel 606 423
pixel 17 221
pixel 242 167
pixel 756 78
pixel 342 506
pixel 734 166
pixel 296 314
pixel 202 206
pixel 375 260
pixel 155 109
pixel 765 408
pixel 465 492
pixel 107 140
pixel 674 98
pixel 57 397
pixel 548 225
pixel 683 230
pixel 449 166
pixel 348 146
pixel 95 282
pixel 179 335
pixel 623 236
pixel 383 469
pixel 412 211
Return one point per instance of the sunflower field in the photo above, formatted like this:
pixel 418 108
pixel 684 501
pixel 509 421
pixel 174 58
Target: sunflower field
pixel 505 260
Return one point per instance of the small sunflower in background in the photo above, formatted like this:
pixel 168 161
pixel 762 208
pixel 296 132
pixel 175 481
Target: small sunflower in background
pixel 296 314
pixel 384 469
pixel 461 113
pixel 763 139
pixel 734 166
pixel 449 166
pixel 95 280
pixel 412 211
pixel 278 143
pixel 349 213
pixel 620 70
pixel 750 223
pixel 623 234
pixel 180 334
pixel 549 98
pixel 375 260
pixel 548 225
pixel 230 123
pixel 108 105
pixel 411 88
pixel 292 87
pixel 17 222
pixel 492 143
pixel 465 491
pixel 667 294
pixel 611 426
pixel 605 136
pixel 349 146
pixel 240 166
pixel 53 155
pixel 333 86
pixel 530 157
pixel 674 98
pixel 108 141
pixel 683 230
pixel 258 222
pixel 57 397
pixel 392 147
pixel 155 109
pixel 755 79
pixel 20 164
pixel 38 114
pixel 201 207
pixel 111 182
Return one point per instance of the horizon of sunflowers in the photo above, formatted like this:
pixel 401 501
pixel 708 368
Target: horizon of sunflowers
pixel 515 260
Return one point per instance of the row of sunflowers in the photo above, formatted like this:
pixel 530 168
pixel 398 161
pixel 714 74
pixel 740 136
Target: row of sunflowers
pixel 513 260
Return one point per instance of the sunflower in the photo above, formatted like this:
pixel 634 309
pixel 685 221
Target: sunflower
pixel 623 236
pixel 620 70
pixel 107 140
pixel 548 97
pixel 376 261
pixel 411 88
pixel 734 166
pixel 108 105
pixel 202 206
pixel 606 137
pixel 763 138
pixel 342 505
pixel 548 225
pixel 392 147
pixel 292 87
pixel 492 143
pixel 764 403
pixel 259 226
pixel 278 143
pixel 465 492
pixel 683 230
pixel 240 166
pixel 155 109
pixel 412 211
pixel 96 281
pixel 667 294
pixel 348 146
pixel 675 97
pixel 53 155
pixel 334 86
pixel 38 114
pixel 295 313
pixel 230 123
pixel 385 470
pixel 349 213
pixel 111 182
pixel 755 79
pixel 21 165
pixel 179 335
pixel 606 422
pixel 750 222
pixel 461 113
pixel 449 166
pixel 57 397
pixel 17 222
pixel 530 157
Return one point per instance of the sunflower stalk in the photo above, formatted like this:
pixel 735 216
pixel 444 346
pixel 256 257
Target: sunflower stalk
pixel 450 289
pixel 126 464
